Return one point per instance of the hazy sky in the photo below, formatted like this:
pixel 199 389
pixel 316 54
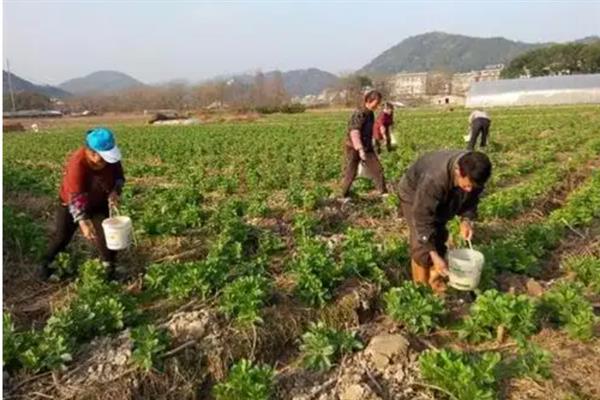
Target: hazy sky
pixel 156 41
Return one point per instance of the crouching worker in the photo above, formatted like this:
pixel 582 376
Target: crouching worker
pixel 436 188
pixel 92 182
pixel 382 130
pixel 358 145
pixel 480 122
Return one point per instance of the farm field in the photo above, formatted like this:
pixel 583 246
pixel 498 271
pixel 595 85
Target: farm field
pixel 251 280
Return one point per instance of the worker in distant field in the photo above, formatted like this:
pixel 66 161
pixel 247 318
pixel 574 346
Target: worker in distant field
pixel 382 130
pixel 92 182
pixel 358 145
pixel 437 187
pixel 480 122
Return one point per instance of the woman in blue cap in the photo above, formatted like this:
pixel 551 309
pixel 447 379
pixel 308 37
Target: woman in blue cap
pixel 91 183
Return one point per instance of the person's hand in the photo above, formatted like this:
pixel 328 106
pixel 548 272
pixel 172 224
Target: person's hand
pixel 362 154
pixel 439 264
pixel 87 229
pixel 113 199
pixel 466 229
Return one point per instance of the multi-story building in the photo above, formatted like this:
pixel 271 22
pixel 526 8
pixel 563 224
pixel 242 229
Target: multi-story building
pixel 409 84
pixel 419 84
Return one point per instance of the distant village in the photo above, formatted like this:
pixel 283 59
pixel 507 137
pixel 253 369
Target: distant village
pixel 419 87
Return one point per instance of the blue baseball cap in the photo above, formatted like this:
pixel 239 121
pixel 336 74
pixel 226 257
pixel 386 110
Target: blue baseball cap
pixel 102 141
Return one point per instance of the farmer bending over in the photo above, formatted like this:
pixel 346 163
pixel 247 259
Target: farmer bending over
pixel 358 146
pixel 92 182
pixel 436 188
pixel 480 123
pixel 382 130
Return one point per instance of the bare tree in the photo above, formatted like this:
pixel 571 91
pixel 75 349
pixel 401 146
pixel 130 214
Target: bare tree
pixel 354 85
pixel 260 89
pixel 276 89
pixel 383 84
pixel 439 82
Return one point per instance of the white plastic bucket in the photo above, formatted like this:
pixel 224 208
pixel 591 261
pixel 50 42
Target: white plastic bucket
pixel 465 267
pixel 362 171
pixel 117 232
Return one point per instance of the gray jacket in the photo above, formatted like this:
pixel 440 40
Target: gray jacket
pixel 428 188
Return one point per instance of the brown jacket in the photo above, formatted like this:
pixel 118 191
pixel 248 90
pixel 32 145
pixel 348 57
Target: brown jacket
pixel 428 189
pixel 362 120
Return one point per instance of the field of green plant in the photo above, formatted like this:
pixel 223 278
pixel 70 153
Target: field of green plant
pixel 250 280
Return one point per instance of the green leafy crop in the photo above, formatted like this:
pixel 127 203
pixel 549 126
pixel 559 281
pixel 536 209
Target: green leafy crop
pixel 586 269
pixel 243 299
pixel 246 381
pixel 517 314
pixel 148 345
pixel 315 272
pixel 565 305
pixel 321 346
pixel 361 257
pixel 465 376
pixel 415 306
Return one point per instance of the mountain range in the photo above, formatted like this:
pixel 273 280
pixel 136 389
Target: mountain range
pixel 22 85
pixel 100 82
pixel 425 52
pixel 299 82
pixel 450 52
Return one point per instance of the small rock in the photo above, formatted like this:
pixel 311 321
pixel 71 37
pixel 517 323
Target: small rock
pixel 534 288
pixel 384 349
pixel 399 375
pixel 189 325
pixel 353 392
pixel 121 359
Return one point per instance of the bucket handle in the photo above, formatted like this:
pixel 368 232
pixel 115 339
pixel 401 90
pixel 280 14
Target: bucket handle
pixel 113 211
pixel 471 247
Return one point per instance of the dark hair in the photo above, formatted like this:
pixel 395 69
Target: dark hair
pixel 372 95
pixel 388 105
pixel 477 166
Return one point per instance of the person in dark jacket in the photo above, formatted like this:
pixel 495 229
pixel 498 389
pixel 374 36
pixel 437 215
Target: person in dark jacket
pixel 437 187
pixel 480 122
pixel 91 183
pixel 358 145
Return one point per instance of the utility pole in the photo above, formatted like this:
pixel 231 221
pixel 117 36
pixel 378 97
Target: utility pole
pixel 10 88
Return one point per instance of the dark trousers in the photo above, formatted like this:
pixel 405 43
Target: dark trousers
pixel 372 165
pixel 417 251
pixel 479 125
pixel 66 227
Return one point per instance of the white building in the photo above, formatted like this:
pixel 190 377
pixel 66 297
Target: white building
pixel 565 89
pixel 418 84
pixel 409 84
pixel 462 81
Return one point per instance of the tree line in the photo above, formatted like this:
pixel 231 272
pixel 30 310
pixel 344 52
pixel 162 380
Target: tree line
pixel 560 59
pixel 260 93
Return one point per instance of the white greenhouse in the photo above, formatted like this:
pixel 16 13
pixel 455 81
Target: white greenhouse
pixel 564 89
